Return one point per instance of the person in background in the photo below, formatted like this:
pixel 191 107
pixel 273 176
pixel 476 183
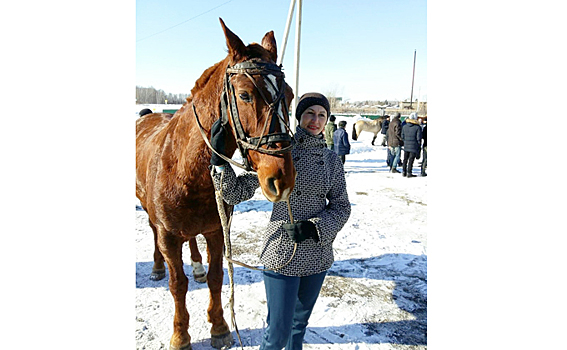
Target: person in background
pixel 411 134
pixel 384 130
pixel 320 206
pixel 395 142
pixel 424 162
pixel 329 130
pixel 340 139
pixel 145 111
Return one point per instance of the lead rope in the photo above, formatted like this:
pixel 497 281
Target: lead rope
pixel 226 222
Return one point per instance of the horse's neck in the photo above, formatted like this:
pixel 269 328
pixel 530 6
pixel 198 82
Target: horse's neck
pixel 187 130
pixel 192 151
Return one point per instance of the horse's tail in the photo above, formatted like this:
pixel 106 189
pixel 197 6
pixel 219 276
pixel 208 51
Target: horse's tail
pixel 354 137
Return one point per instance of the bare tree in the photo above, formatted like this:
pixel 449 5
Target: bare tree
pixel 333 95
pixel 145 95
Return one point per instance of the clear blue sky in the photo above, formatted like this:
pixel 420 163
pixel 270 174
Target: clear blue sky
pixel 358 49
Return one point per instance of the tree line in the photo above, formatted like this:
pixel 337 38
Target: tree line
pixel 151 95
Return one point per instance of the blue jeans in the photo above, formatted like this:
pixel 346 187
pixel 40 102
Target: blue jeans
pixel 290 303
pixel 395 154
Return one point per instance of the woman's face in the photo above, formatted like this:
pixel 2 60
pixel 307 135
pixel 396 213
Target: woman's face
pixel 314 119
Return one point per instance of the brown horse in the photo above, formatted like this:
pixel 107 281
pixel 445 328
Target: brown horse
pixel 173 183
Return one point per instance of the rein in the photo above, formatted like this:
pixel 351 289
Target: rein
pixel 245 143
pixel 226 222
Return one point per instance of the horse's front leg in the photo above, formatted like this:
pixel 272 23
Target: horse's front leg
pixel 170 246
pixel 374 138
pixel 220 333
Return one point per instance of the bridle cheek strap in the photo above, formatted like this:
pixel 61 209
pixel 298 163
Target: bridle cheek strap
pixel 229 109
pixel 243 142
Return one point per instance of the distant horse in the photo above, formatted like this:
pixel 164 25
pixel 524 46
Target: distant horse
pixel 363 125
pixel 248 93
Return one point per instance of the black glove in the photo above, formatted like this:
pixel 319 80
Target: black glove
pixel 218 138
pixel 301 230
pixel 418 154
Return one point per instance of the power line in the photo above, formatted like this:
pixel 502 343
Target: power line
pixel 149 36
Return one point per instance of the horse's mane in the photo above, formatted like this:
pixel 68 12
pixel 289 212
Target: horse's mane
pixel 205 77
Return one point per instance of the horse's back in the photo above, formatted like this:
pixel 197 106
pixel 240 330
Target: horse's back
pixel 150 124
pixel 373 126
pixel 148 140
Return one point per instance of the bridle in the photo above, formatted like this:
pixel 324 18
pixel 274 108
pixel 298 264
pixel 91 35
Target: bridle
pixel 229 109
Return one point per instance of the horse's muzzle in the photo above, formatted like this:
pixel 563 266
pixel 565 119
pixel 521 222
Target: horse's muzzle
pixel 277 185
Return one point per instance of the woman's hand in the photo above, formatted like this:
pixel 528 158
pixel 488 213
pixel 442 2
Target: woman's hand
pixel 301 230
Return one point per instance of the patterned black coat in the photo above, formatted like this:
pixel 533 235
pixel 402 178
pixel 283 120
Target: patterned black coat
pixel 319 196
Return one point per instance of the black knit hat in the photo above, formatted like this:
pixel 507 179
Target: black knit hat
pixel 310 99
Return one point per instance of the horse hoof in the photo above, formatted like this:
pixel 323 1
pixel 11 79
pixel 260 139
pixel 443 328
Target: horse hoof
pixel 184 347
pixel 222 341
pixel 157 275
pixel 200 278
pixel 199 272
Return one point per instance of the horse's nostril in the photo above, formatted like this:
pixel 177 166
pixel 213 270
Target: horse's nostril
pixel 272 185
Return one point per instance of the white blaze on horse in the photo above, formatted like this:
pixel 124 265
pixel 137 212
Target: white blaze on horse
pixel 373 126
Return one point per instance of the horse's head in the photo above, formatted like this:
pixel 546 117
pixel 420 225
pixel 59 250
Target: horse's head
pixel 256 101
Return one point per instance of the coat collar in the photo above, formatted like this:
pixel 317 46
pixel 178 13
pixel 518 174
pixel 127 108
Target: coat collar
pixel 304 140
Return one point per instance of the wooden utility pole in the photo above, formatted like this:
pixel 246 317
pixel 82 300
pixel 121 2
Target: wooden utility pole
pixel 413 75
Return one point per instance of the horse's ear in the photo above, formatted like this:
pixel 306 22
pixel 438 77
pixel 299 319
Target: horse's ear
pixel 236 47
pixel 269 43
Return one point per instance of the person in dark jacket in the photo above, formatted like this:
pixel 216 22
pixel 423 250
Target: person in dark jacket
pixel 320 205
pixel 395 143
pixel 145 111
pixel 384 130
pixel 340 139
pixel 411 134
pixel 424 163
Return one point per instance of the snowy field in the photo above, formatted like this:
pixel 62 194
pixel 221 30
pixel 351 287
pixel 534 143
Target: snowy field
pixel 374 296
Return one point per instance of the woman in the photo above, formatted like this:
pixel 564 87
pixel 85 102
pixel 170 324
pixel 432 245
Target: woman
pixel 320 207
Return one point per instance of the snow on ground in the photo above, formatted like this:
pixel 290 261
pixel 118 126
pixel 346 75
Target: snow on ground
pixel 374 296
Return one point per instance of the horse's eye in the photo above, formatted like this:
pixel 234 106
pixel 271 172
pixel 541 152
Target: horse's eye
pixel 245 97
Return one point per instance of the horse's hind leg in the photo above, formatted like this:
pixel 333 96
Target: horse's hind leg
pixel 220 333
pixel 199 272
pixel 171 246
pixel 158 270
